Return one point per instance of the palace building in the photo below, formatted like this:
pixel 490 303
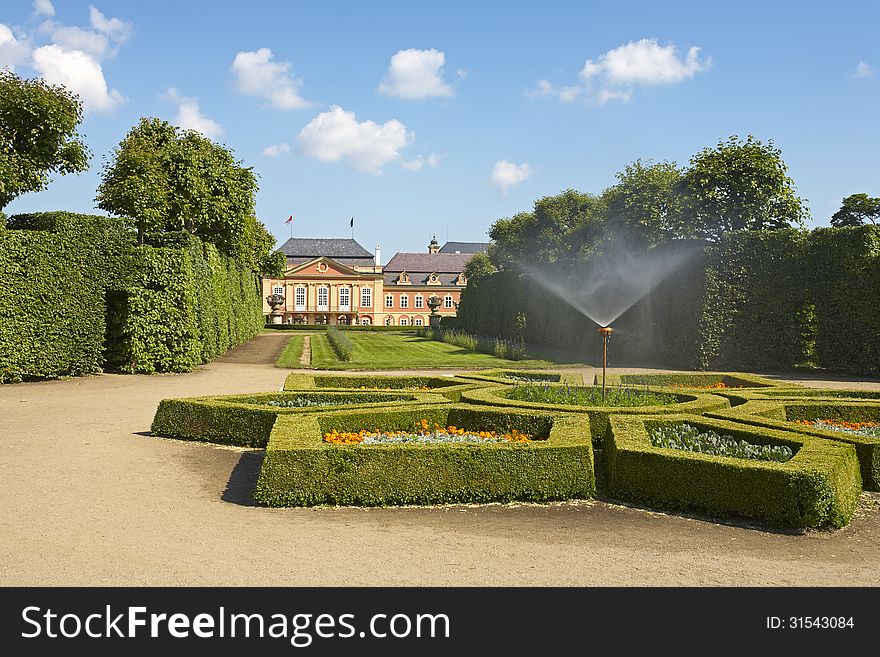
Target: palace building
pixel 337 281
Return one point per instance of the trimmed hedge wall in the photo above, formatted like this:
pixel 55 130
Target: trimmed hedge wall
pixel 246 420
pixel 784 414
pixel 690 379
pixel 845 263
pixel 341 327
pixel 599 415
pixel 55 270
pixel 77 295
pixel 514 377
pixel 819 486
pixel 757 300
pixel 301 469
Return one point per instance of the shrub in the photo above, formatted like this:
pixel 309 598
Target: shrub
pixel 691 380
pixel 341 344
pixel 450 387
pixel 301 469
pixel 819 486
pixel 787 414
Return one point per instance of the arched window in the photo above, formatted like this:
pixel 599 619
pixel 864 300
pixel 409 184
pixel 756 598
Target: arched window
pixel 404 321
pixel 365 321
pixel 389 321
pixel 419 321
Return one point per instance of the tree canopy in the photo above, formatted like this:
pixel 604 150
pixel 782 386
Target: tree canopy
pixel 740 185
pixel 162 178
pixel 478 266
pixel 857 209
pixel 38 136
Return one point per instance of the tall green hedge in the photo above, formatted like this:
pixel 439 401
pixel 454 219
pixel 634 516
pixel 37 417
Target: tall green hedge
pixel 54 270
pixel 757 313
pixel 756 300
pixel 845 263
pixel 77 295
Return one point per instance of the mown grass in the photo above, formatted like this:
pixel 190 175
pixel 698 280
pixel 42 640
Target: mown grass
pixel 292 352
pixel 407 351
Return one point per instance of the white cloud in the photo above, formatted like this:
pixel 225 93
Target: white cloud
pixel 416 74
pixel 421 162
pixel 12 51
pixel 336 135
pixel 257 75
pixel 80 73
pixel 276 150
pixel 189 115
pixel 864 70
pixel 615 74
pixel 44 7
pixel 101 41
pixel 115 29
pixel 506 174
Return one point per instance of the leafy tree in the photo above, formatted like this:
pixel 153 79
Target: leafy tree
pixel 163 178
pixel 38 123
pixel 560 228
pixel 260 250
pixel 645 207
pixel 478 266
pixel 856 210
pixel 739 185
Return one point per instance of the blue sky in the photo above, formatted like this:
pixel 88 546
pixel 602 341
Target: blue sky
pixel 420 118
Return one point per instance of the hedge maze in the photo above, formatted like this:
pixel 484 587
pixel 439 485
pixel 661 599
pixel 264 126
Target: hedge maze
pixel 571 451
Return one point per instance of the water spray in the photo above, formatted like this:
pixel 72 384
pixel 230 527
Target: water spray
pixel 605 331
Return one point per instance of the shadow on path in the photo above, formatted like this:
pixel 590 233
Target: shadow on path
pixel 262 349
pixel 243 479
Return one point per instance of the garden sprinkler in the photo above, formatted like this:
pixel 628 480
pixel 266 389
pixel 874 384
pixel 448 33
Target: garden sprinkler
pixel 606 332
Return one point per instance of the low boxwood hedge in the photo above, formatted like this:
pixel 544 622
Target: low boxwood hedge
pixel 784 414
pixel 448 386
pixel 301 469
pixel 691 402
pixel 247 420
pixel 690 379
pixel 819 486
pixel 514 377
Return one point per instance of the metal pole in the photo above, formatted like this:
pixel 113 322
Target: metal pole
pixel 604 361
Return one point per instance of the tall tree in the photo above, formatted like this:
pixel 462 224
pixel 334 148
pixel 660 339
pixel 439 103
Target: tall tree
pixel 740 184
pixel 38 137
pixel 857 209
pixel 162 178
pixel 645 207
pixel 559 228
pixel 478 266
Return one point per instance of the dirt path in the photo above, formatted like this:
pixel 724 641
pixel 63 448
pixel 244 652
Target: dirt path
pixel 88 497
pixel 305 358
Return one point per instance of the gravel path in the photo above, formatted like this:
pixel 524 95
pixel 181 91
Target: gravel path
pixel 89 498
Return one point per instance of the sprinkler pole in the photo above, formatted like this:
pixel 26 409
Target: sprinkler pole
pixel 606 332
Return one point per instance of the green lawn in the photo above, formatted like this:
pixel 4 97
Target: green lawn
pixel 290 355
pixel 386 350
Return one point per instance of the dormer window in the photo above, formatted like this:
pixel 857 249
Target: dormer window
pixel 433 279
pixel 462 279
pixel 403 278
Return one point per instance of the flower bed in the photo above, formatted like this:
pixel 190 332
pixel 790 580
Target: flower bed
pixel 690 438
pixel 589 396
pixel 307 401
pixel 819 486
pixel 801 415
pixel 302 467
pixel 423 435
pixel 870 429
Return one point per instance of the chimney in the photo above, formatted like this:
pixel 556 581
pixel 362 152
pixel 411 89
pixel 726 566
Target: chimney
pixel 378 256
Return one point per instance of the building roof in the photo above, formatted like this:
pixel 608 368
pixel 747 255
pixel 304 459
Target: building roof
pixel 421 279
pixel 428 262
pixel 464 247
pixel 293 261
pixel 309 247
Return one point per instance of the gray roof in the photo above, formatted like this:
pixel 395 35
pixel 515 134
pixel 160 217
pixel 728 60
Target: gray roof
pixel 428 262
pixel 420 279
pixel 309 247
pixel 464 247
pixel 292 261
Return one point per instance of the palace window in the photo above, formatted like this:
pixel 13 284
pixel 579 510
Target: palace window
pixel 278 289
pixel 365 321
pixel 344 297
pixel 447 301
pixel 404 321
pixel 420 301
pixel 300 298
pixel 323 297
pixel 389 301
pixel 419 321
pixel 389 321
pixel 366 297
pixel 404 301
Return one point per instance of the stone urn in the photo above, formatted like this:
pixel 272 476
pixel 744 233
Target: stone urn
pixel 434 303
pixel 275 301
